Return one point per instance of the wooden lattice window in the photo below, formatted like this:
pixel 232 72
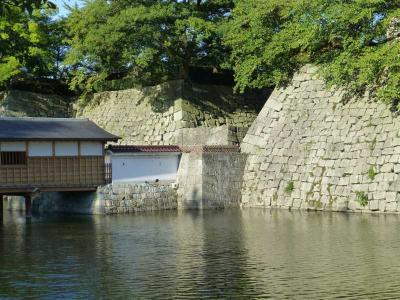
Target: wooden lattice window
pixel 13 158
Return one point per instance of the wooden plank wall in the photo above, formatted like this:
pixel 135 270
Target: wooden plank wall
pixel 55 171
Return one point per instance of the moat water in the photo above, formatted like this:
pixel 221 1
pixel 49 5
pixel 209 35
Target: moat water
pixel 214 254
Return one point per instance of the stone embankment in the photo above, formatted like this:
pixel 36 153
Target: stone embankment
pixel 109 199
pixel 210 177
pixel 28 104
pixel 311 149
pixel 157 115
pixel 131 198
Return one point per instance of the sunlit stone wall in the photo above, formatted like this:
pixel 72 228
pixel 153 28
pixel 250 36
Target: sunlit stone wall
pixel 210 177
pixel 157 115
pixel 109 199
pixel 310 149
pixel 137 197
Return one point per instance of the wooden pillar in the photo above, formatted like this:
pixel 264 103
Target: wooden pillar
pixel 28 206
pixel 1 206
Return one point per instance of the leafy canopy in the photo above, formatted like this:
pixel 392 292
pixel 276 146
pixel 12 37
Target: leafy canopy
pixel 353 41
pixel 28 39
pixel 148 40
pixel 356 43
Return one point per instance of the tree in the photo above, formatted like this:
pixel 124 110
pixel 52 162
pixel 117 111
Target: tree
pixel 24 32
pixel 29 5
pixel 354 42
pixel 151 41
pixel 57 48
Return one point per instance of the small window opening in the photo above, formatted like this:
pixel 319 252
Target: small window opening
pixel 13 158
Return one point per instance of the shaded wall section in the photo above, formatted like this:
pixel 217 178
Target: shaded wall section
pixel 29 104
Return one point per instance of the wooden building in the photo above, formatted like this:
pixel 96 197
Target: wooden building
pixel 43 154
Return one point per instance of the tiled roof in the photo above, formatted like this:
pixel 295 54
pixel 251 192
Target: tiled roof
pixel 143 148
pixel 172 148
pixel 21 129
pixel 210 149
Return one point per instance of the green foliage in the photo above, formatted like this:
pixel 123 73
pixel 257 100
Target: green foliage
pixel 353 42
pixel 28 5
pixel 27 39
pixel 356 44
pixel 9 67
pixel 149 41
pixel 289 188
pixel 362 198
pixel 371 173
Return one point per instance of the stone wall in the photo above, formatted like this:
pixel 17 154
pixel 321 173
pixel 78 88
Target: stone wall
pixel 310 149
pixel 210 178
pixel 28 104
pixel 190 181
pixel 109 199
pixel 154 115
pixel 139 116
pixel 222 173
pixel 219 136
pixel 131 198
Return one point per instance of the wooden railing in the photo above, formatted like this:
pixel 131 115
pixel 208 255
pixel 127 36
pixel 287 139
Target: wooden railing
pixel 108 173
pixel 42 172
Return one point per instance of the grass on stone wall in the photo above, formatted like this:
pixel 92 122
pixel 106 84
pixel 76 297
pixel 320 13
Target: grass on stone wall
pixel 289 188
pixel 371 173
pixel 362 198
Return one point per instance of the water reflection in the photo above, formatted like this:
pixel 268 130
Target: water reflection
pixel 216 254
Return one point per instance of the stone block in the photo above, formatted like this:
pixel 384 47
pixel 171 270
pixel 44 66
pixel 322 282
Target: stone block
pixel 274 104
pixel 388 167
pixel 391 206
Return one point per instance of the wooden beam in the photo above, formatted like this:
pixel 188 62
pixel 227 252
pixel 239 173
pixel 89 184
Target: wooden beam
pixel 1 206
pixel 22 191
pixel 28 206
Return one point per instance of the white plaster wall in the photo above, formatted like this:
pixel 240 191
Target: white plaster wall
pixel 141 168
pixel 12 146
pixel 40 149
pixel 91 149
pixel 66 148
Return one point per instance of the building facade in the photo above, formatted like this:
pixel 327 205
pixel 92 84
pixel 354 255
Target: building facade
pixel 42 154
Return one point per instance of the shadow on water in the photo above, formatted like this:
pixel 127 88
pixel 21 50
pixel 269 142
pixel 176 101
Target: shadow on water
pixel 225 263
pixel 47 256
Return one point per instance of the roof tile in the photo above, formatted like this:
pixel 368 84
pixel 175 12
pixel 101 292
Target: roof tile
pixel 19 129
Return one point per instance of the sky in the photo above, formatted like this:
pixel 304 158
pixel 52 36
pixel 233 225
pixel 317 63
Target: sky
pixel 60 4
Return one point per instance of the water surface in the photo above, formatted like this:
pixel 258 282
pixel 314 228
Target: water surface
pixel 214 254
